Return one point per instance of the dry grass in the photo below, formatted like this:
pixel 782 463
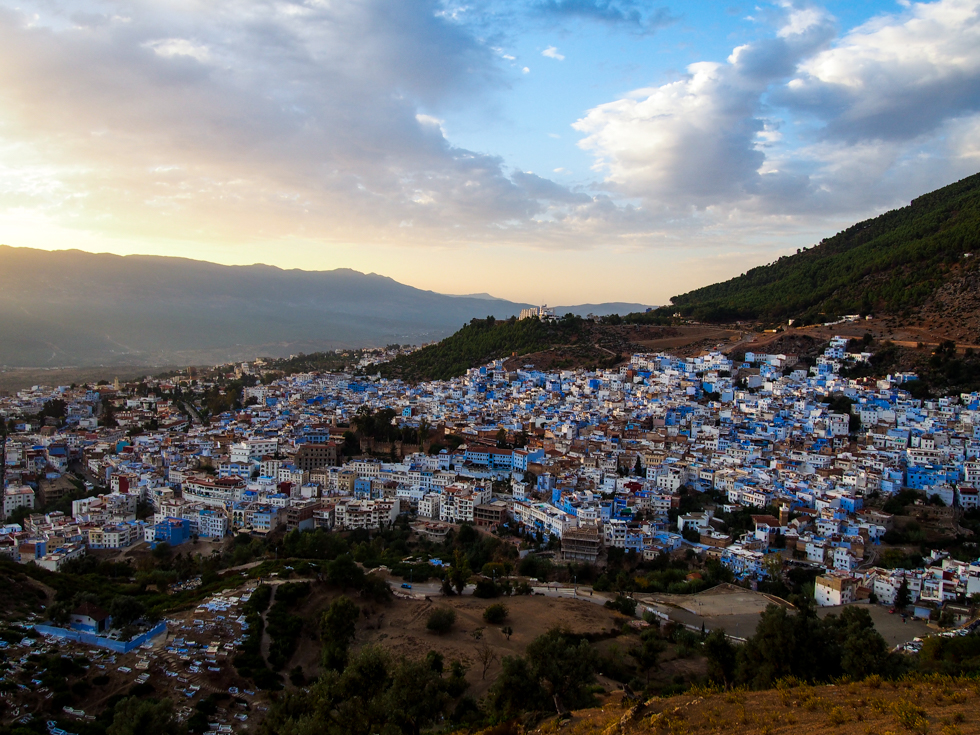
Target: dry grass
pixel 913 706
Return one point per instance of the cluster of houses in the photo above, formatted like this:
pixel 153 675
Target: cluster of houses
pixel 598 459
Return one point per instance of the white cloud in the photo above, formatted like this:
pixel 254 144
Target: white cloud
pixel 526 70
pixel 240 119
pixel 697 140
pixel 168 47
pixel 895 77
pixel 801 124
pixel 552 53
pixel 429 120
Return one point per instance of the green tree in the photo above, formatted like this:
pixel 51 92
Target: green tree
pixel 345 572
pixel 459 570
pixel 495 613
pixel 60 613
pixel 416 696
pixel 903 597
pixel 441 619
pixel 722 657
pixel 647 653
pixel 374 694
pixel 125 610
pixel 564 666
pixel 137 716
pixel 516 689
pixel 337 629
pixel 863 650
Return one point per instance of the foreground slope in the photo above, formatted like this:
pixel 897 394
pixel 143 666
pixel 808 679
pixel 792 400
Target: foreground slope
pixel 892 263
pixel 941 705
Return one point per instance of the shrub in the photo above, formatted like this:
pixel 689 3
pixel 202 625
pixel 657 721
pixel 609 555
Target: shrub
pixel 837 716
pixel 625 605
pixel 441 620
pixel 495 613
pixel 485 588
pixel 910 716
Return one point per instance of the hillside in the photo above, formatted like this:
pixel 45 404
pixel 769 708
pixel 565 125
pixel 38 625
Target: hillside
pixel 570 342
pixel 479 342
pixel 915 705
pixel 893 263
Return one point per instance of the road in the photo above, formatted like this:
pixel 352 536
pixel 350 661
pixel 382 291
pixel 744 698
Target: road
pixel 195 418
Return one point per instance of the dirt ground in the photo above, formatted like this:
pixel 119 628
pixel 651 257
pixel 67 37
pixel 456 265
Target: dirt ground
pixel 890 625
pixel 904 335
pixel 734 609
pixel 689 336
pixel 400 628
pixel 719 601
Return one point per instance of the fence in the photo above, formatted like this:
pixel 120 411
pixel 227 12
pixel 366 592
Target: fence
pixel 91 639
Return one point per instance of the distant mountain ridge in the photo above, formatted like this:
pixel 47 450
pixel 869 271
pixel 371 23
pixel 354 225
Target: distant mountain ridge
pixel 892 263
pixel 604 309
pixel 73 308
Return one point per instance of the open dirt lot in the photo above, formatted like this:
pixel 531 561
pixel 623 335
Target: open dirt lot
pixel 720 601
pixel 891 627
pixel 735 609
pixel 400 628
pixel 705 337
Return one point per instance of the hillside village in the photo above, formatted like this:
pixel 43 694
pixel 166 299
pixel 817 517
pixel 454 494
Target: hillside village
pixel 594 460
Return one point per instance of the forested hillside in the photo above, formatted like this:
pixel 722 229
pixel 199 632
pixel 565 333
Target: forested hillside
pixel 479 342
pixel 890 264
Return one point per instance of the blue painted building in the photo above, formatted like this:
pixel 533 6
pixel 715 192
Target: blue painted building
pixel 173 531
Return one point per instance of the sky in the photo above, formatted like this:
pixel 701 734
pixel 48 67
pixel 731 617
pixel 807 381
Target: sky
pixel 547 151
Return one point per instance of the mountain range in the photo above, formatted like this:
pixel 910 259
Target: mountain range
pixel 73 308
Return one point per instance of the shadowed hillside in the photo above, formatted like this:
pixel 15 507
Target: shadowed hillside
pixel 892 263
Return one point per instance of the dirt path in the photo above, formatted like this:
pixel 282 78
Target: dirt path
pixel 960 346
pixel 266 640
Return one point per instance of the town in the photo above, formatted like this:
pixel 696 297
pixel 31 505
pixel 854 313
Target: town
pixel 597 460
pixel 761 466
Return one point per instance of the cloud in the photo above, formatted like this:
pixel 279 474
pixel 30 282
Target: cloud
pixel 803 123
pixel 250 119
pixel 639 17
pixel 895 77
pixel 271 121
pixel 169 47
pixel 547 190
pixel 552 53
pixel 697 140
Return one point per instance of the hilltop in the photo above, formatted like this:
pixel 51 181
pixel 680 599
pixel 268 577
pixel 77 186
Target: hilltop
pixel 570 342
pixel 893 263
pixel 917 268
